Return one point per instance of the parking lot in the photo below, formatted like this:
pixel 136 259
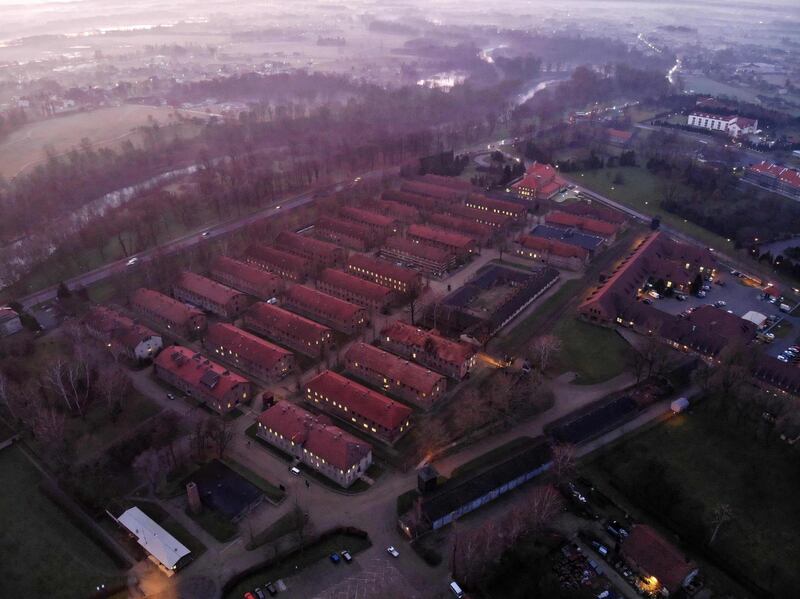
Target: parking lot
pixel 741 298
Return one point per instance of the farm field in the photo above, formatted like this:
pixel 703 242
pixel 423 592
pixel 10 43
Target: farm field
pixel 104 127
pixel 42 553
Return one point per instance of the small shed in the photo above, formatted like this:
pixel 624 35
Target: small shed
pixel 679 405
pixel 163 548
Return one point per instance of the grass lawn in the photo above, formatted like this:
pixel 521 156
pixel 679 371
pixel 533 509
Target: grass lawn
pixel 42 553
pixel 705 460
pixel 595 353
pixel 642 191
pixel 293 566
pixel 270 490
pixel 215 524
pixel 286 524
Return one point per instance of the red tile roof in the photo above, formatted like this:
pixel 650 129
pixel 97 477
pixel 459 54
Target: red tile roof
pixel 345 227
pixel 355 285
pixel 427 252
pixel 383 268
pixel 169 309
pixel 261 253
pixel 117 326
pixel 420 202
pixel 458 223
pixel 619 135
pixel 657 557
pixel 441 236
pixel 207 288
pixel 553 246
pixel 359 399
pixel 438 192
pixel 303 245
pixel 453 352
pixel 784 174
pixel 595 211
pixel 251 275
pixel 198 372
pixel 316 434
pixel 290 324
pixel 245 345
pixel 494 204
pixel 542 178
pixel 589 225
pixel 480 216
pixel 369 217
pixel 451 182
pixel 401 211
pixel 316 301
pixel 395 368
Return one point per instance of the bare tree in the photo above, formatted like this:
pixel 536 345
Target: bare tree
pixel 563 461
pixel 543 349
pixel 542 504
pixel 148 465
pixel 220 433
pixel 114 384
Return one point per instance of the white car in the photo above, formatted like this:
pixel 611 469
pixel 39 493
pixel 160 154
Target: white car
pixel 392 551
pixel 295 470
pixel 205 234
pixel 132 261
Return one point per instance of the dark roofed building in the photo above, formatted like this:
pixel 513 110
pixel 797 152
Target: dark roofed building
pixel 367 410
pixel 591 243
pixel 588 225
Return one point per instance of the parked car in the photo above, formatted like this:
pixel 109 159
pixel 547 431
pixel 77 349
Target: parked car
pixel 783 358
pixel 392 551
pixel 701 293
pixel 680 297
pixel 601 549
pixel 249 595
pixel 334 557
pixel 616 529
pixel 720 303
pixel 205 234
pixel 346 555
pixel 295 470
pixel 271 589
pixel 706 287
pixel 170 396
pixel 132 261
pixel 259 593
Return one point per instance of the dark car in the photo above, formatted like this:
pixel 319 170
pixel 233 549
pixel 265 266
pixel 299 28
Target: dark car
pixel 616 529
pixel 271 589
pixel 335 558
pixel 259 593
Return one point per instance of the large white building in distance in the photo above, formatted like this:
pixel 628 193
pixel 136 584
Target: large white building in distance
pixel 732 125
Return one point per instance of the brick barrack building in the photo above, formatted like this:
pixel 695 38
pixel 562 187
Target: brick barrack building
pixel 172 315
pixel 403 280
pixel 367 410
pixel 315 442
pixel 284 264
pixel 319 253
pixel 247 278
pixel 431 260
pixel 346 233
pixel 356 290
pixel 200 378
pixel 288 329
pixel 453 358
pixel 120 335
pixel 209 295
pixel 250 354
pixel 395 375
pixel 331 311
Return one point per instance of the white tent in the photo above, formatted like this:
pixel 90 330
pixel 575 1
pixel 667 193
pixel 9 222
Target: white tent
pixel 757 318
pixel 154 539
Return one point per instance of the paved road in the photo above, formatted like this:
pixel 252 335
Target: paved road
pixel 191 239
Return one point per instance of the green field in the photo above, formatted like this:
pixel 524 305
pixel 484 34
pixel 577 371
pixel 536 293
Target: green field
pixel 642 191
pixel 42 553
pixel 596 354
pixel 678 472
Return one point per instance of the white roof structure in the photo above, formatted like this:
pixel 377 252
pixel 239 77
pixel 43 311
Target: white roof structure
pixel 757 318
pixel 154 539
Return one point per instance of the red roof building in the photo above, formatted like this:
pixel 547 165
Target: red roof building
pixel 288 329
pixel 437 192
pixel 396 376
pixel 478 231
pixel 498 221
pixel 617 137
pixel 319 253
pixel 250 354
pixel 781 179
pixel 654 556
pixel 363 408
pixel 420 202
pixel 459 185
pixel 329 310
pixel 552 251
pixel 594 210
pixel 206 293
pixel 501 207
pixel 452 358
pixel 404 213
pixel 403 280
pixel 588 225
pixel 287 266
pixel 380 224
pixel 456 243
pixel 200 378
pixel 121 335
pixel 541 182
pixel 355 290
pixel 246 278
pixel 346 233
pixel 178 318
pixel 432 260
pixel 315 442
